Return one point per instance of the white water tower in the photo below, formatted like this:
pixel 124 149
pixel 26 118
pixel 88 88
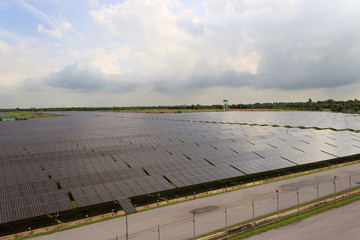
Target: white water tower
pixel 226 107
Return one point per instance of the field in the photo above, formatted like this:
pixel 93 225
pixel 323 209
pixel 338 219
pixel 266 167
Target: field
pixel 27 114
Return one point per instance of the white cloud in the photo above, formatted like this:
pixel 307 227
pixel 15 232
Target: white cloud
pixel 168 40
pixel 169 47
pixel 52 32
pixel 21 58
pixel 238 43
pixel 58 30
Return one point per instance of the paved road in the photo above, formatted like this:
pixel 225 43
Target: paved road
pixel 341 223
pixel 176 220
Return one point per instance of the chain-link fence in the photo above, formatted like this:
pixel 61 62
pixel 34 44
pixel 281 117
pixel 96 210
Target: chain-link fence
pixel 203 220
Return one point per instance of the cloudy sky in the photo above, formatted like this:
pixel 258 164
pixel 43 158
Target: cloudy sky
pixel 166 52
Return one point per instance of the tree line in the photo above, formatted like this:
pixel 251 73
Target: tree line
pixel 349 106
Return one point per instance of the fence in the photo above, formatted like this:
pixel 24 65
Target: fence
pixel 204 220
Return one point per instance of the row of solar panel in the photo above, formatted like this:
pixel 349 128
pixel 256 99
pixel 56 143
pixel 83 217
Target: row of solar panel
pixel 17 177
pixel 309 119
pixel 95 143
pixel 100 193
pixel 51 154
pixel 76 181
pixel 32 206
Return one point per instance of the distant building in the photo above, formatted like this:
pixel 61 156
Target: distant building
pixel 226 107
pixel 8 117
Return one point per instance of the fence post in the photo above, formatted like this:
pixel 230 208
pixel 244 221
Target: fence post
pixel 194 212
pixel 127 233
pixel 277 203
pixel 334 188
pixel 350 183
pixel 298 202
pixel 226 224
pixel 253 211
pixel 158 231
pixel 317 193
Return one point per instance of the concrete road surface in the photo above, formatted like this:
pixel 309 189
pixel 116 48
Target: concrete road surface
pixel 176 221
pixel 341 223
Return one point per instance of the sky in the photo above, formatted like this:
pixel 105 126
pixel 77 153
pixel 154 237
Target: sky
pixel 63 53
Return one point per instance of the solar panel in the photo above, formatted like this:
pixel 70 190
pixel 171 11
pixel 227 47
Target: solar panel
pixel 33 205
pixel 112 156
pixel 126 205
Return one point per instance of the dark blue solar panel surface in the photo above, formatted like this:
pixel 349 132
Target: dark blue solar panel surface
pixel 101 157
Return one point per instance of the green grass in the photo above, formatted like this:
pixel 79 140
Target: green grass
pixel 26 114
pixel 74 203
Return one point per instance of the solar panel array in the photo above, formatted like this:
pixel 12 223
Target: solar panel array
pixel 295 119
pixel 100 157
